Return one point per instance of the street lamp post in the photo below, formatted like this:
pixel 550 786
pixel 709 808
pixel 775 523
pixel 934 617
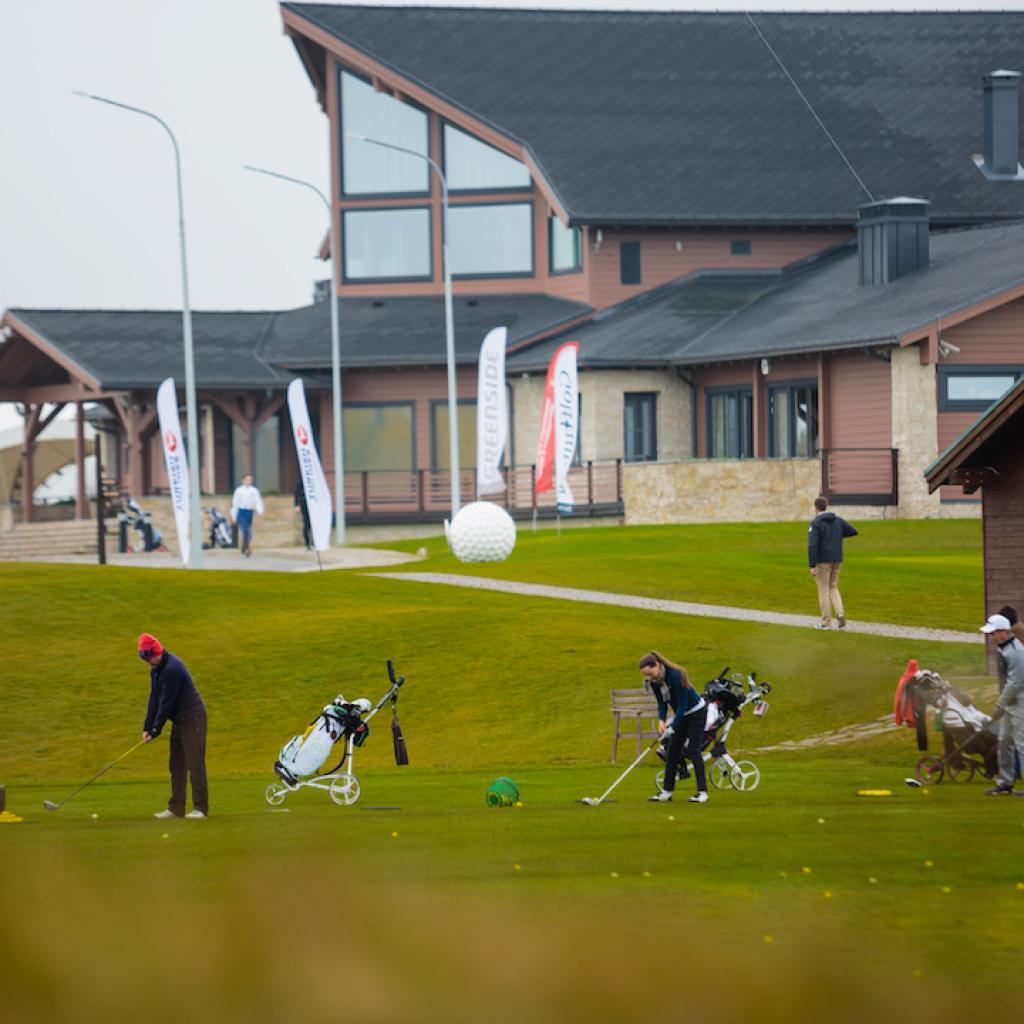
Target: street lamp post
pixel 339 452
pixel 449 329
pixel 195 559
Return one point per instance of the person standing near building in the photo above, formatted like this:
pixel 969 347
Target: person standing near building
pixel 825 557
pixel 173 697
pixel 245 504
pixel 1010 706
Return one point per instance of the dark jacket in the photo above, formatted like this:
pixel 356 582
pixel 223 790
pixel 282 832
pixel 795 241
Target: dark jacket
pixel 825 538
pixel 674 689
pixel 172 694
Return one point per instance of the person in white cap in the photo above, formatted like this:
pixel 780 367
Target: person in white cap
pixel 1010 652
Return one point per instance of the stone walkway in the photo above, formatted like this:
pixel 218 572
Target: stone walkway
pixel 711 611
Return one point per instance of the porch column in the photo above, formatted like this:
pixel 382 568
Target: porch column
pixel 81 504
pixel 28 484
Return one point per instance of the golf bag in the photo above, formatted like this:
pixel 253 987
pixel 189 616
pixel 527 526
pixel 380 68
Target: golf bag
pixel 142 523
pixel 221 534
pixel 305 754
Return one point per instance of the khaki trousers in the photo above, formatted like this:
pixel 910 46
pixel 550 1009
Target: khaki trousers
pixel 826 575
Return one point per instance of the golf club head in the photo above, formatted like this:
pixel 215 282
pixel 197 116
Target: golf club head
pixel 913 783
pixel 50 805
pixel 590 801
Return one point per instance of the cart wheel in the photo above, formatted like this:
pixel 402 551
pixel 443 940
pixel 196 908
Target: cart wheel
pixel 275 793
pixel 746 776
pixel 929 769
pixel 719 773
pixel 963 773
pixel 344 789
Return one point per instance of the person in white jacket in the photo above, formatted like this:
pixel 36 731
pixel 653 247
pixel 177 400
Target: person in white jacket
pixel 246 504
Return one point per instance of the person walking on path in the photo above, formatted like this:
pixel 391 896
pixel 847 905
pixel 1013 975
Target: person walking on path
pixel 173 697
pixel 1010 706
pixel 246 503
pixel 671 688
pixel 303 507
pixel 825 557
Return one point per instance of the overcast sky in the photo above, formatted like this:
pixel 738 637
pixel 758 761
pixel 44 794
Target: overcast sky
pixel 87 204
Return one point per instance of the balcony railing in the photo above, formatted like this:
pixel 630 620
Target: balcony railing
pixel 424 495
pixel 860 476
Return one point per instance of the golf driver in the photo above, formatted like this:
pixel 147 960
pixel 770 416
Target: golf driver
pixel 594 801
pixel 51 806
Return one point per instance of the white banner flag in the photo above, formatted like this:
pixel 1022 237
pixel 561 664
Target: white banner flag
pixel 318 499
pixel 566 421
pixel 491 412
pixel 176 462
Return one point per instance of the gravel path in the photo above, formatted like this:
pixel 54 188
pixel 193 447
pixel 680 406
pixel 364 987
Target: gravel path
pixel 712 611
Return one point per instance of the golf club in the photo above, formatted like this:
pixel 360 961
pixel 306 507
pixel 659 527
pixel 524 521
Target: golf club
pixel 51 806
pixel 592 801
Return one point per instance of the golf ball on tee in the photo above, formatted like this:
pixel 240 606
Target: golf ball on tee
pixel 481 532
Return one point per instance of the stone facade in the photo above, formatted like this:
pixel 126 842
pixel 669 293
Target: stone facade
pixel 914 415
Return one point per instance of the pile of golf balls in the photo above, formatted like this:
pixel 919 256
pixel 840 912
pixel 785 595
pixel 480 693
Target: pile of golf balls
pixel 481 532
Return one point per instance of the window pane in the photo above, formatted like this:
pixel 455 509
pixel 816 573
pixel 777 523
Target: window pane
pixel 806 422
pixel 731 425
pixel 369 169
pixel 467 435
pixel 629 263
pixel 565 246
pixel 378 437
pixel 386 244
pixel 267 476
pixel 491 239
pixel 720 419
pixel 639 443
pixel 745 448
pixel 472 164
pixel 980 388
pixel 781 446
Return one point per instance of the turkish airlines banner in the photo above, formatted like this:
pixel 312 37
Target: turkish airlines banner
pixel 546 441
pixel 175 461
pixel 491 412
pixel 314 483
pixel 567 407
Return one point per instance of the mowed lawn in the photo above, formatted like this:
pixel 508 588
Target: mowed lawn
pixel 422 903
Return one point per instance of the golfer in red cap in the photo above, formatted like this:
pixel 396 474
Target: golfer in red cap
pixel 173 697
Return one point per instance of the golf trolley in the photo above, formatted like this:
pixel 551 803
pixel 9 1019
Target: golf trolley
pixel 301 758
pixel 726 698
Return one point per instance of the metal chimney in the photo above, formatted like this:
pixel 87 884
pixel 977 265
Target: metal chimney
pixel 1002 125
pixel 892 239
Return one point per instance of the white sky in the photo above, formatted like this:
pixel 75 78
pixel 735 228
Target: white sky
pixel 87 203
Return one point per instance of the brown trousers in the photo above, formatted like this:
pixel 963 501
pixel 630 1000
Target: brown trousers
pixel 188 755
pixel 826 575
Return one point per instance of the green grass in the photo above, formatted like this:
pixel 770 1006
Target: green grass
pixel 913 572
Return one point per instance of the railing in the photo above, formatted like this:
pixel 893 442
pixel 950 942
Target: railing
pixel 424 495
pixel 860 476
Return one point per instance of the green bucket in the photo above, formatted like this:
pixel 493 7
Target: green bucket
pixel 502 793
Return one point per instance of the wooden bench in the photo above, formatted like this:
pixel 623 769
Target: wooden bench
pixel 636 714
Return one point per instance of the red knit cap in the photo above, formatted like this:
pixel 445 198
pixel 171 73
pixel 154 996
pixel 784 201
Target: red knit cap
pixel 148 642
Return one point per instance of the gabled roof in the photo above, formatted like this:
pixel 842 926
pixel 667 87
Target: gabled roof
pixel 819 307
pixel 649 118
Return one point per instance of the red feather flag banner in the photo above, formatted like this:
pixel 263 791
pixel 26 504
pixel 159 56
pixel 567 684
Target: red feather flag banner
pixel 545 461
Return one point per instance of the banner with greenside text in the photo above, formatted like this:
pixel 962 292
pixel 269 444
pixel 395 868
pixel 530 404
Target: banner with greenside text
pixel 491 412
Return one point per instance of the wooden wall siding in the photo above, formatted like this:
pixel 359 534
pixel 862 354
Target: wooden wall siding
pixel 668 255
pixel 1002 524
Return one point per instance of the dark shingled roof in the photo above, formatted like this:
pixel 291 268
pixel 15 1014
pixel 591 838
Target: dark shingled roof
pixel 138 348
pixel 650 118
pixel 713 317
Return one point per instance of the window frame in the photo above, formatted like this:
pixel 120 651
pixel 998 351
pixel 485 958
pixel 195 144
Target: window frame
pixel 502 274
pixel 947 404
pixel 526 189
pixel 429 276
pixel 577 268
pixel 408 403
pixel 790 387
pixel 741 391
pixel 637 396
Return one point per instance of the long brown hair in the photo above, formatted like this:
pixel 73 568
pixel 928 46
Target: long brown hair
pixel 652 658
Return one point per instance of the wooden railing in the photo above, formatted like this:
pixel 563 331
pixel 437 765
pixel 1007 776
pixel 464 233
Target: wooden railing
pixel 860 476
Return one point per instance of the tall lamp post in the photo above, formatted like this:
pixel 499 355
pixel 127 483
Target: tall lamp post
pixel 195 559
pixel 449 329
pixel 339 451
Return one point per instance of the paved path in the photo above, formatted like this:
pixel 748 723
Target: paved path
pixel 711 611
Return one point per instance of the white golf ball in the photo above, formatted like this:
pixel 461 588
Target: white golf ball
pixel 482 532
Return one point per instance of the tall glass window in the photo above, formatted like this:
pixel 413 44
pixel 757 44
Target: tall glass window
pixel 390 245
pixel 471 165
pixel 267 474
pixel 640 440
pixel 440 450
pixel 379 436
pixel 793 420
pixel 564 246
pixel 371 170
pixel 491 240
pixel 730 423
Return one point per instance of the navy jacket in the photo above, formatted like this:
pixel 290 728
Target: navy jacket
pixel 673 690
pixel 172 694
pixel 825 538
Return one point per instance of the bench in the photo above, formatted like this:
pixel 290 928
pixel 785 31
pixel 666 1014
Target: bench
pixel 636 714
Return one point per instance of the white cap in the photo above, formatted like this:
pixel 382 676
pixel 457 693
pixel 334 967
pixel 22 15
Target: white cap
pixel 995 622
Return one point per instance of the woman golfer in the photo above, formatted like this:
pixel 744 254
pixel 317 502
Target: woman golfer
pixel 671 688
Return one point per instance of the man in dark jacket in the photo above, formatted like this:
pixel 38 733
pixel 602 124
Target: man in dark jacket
pixel 173 697
pixel 825 557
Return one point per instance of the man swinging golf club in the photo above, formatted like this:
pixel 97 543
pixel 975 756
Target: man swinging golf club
pixel 174 697
pixel 671 687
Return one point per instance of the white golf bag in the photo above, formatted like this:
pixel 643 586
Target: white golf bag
pixel 304 755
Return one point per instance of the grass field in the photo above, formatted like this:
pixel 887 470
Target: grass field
pixel 422 903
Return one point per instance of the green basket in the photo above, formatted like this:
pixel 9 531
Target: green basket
pixel 502 793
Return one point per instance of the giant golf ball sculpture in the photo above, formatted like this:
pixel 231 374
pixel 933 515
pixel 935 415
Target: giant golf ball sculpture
pixel 481 532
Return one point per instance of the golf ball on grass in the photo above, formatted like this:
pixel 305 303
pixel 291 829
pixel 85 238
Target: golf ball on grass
pixel 481 532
